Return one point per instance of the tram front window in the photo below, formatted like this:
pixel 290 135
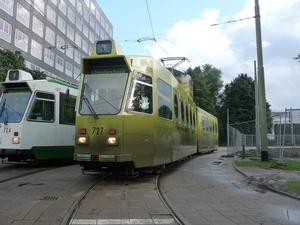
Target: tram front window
pixel 13 104
pixel 102 93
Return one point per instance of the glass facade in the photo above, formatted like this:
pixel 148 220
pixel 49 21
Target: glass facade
pixel 53 35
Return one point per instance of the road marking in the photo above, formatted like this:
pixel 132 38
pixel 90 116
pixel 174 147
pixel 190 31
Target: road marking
pixel 121 221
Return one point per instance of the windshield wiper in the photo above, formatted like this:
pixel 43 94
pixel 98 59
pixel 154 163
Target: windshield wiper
pixel 90 107
pixel 2 107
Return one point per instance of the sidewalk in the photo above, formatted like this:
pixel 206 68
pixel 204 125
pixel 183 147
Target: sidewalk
pixel 208 190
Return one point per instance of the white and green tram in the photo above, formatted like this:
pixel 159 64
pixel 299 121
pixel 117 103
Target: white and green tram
pixel 36 121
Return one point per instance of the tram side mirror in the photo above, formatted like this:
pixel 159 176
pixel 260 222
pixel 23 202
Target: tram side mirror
pixel 67 97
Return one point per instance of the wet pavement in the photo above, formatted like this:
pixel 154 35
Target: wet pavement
pixel 205 189
pixel 209 190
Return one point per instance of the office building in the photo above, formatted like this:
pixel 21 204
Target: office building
pixel 53 35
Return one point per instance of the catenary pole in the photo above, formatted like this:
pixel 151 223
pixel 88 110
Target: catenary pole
pixel 257 133
pixel 261 87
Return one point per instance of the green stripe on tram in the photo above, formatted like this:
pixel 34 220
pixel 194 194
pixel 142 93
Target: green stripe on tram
pixel 51 152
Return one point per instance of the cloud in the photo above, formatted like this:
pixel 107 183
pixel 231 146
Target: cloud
pixel 231 47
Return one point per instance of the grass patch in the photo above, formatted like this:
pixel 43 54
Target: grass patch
pixel 289 164
pixel 290 186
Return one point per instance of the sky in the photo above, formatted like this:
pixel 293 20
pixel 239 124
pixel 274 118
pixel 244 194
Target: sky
pixel 184 29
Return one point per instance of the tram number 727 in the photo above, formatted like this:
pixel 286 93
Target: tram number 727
pixel 97 130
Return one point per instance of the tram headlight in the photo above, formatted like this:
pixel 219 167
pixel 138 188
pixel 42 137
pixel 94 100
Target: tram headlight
pixel 15 140
pixel 112 140
pixel 82 140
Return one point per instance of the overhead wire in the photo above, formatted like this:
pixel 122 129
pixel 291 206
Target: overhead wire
pixel 153 34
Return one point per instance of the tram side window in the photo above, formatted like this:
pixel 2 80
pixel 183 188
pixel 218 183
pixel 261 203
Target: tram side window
pixel 203 123
pixel 164 100
pixel 176 107
pixel 187 114
pixel 43 108
pixel 141 94
pixel 67 110
pixel 182 111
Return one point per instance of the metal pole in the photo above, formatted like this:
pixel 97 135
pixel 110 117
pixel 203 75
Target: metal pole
pixel 256 113
pixel 292 127
pixel 261 87
pixel 227 131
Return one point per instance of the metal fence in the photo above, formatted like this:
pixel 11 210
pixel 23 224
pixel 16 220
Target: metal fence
pixel 287 146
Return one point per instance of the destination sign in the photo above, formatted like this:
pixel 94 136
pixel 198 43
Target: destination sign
pixel 112 70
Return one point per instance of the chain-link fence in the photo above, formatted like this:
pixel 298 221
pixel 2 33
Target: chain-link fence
pixel 284 142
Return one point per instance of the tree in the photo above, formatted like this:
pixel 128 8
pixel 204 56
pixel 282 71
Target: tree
pixel 10 60
pixel 239 98
pixel 298 57
pixel 207 85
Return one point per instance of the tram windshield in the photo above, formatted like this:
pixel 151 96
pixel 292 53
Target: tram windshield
pixel 13 105
pixel 103 91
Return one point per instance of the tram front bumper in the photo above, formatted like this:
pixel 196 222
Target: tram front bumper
pixel 103 158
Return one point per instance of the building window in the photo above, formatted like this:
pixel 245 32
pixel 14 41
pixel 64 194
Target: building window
pixel 39 6
pixel 97 29
pixel 71 15
pixel 76 73
pixel 5 30
pixel 85 30
pixel 37 26
pixel 23 15
pixel 61 24
pixel 90 50
pixel 77 57
pixel 84 46
pixel 49 57
pixel 36 49
pixel 60 43
pixel 21 40
pixel 92 37
pixel 102 21
pixel 70 52
pixel 98 15
pixel 68 69
pixel 87 2
pixel 73 2
pixel 54 2
pixel 79 7
pixel 92 23
pixel 77 39
pixel 93 8
pixel 51 14
pixel 70 32
pixel 86 14
pixel 79 22
pixel 59 63
pixel 50 36
pixel 62 6
pixel 7 6
pixel 102 34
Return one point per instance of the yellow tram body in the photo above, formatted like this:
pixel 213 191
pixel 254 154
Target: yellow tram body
pixel 134 113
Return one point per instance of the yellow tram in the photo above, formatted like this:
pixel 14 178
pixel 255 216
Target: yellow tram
pixel 135 114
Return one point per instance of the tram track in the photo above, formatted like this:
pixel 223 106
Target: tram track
pixel 74 208
pixel 123 189
pixel 161 193
pixel 14 171
pixel 7 177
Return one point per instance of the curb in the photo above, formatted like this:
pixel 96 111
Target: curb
pixel 268 187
